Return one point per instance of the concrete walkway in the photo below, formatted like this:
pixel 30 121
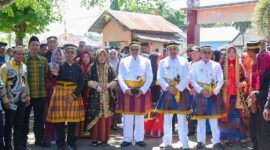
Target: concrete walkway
pixel 116 139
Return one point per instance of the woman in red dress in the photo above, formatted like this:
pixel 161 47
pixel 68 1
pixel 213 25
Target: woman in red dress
pixel 232 127
pixel 85 61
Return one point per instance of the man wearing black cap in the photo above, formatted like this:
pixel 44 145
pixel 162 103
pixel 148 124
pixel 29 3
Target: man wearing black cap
pixel 207 80
pixel 3 58
pixel 258 95
pixel 173 76
pixel 37 67
pixel 134 77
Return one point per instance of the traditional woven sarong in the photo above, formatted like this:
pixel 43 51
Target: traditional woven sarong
pixel 101 130
pixel 206 108
pixel 62 111
pixel 234 129
pixel 167 104
pixel 132 104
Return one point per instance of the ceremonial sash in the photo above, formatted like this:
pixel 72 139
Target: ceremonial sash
pixel 174 82
pixel 135 84
pixel 209 87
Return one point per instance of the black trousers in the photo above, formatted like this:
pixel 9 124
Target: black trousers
pixel 38 104
pixel 253 122
pixel 1 131
pixel 61 134
pixel 14 119
pixel 263 130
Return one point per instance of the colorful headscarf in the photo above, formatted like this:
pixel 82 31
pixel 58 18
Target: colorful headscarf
pixel 53 60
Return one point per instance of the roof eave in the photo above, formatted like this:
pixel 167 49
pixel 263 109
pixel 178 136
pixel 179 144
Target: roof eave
pixel 222 5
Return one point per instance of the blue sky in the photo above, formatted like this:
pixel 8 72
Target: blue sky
pixel 79 19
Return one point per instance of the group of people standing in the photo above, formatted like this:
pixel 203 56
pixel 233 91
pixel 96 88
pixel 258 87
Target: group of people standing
pixel 86 92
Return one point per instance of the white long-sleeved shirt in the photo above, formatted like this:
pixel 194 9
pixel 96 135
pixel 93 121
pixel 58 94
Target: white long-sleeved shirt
pixel 207 73
pixel 131 68
pixel 171 68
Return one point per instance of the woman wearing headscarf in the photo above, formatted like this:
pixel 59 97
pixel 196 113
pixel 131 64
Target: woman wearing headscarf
pixel 113 59
pixel 114 62
pixel 57 59
pixel 247 64
pixel 102 99
pixel 232 125
pixel 85 61
pixel 66 105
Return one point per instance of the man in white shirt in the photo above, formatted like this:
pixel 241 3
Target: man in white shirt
pixel 207 80
pixel 173 77
pixel 135 77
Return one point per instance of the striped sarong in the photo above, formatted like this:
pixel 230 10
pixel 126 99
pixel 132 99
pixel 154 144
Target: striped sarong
pixel 134 105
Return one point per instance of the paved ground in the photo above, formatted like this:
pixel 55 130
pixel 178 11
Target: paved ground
pixel 116 139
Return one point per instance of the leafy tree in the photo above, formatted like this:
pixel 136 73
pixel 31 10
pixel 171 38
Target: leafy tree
pixel 159 7
pixel 261 18
pixel 28 17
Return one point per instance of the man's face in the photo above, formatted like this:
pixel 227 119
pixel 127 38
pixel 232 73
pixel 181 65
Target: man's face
pixel 81 44
pixel 189 53
pixel 263 46
pixel 206 55
pixel 19 56
pixel 195 55
pixel 33 47
pixel 145 49
pixel 52 44
pixel 42 50
pixel 251 54
pixel 173 51
pixel 135 51
pixel 2 50
pixel 70 54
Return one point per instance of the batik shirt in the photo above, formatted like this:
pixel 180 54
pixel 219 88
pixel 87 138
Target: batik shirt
pixel 15 83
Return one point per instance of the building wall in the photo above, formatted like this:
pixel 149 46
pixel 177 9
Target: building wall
pixel 112 32
pixel 225 14
pixel 155 45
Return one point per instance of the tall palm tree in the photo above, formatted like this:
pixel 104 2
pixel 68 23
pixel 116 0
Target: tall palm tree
pixel 242 27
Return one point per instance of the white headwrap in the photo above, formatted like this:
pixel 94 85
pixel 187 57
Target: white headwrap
pixel 114 62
